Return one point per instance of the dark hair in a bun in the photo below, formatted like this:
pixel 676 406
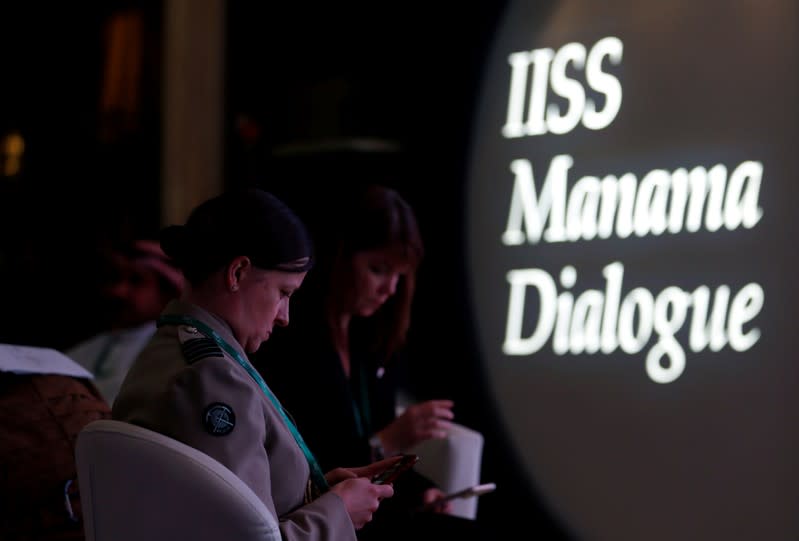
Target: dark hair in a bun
pixel 251 222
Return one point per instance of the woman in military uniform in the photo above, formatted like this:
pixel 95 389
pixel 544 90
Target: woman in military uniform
pixel 243 254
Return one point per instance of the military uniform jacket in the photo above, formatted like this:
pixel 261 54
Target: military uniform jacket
pixel 185 386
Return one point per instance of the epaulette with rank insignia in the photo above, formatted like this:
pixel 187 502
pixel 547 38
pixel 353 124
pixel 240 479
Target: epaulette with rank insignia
pixel 199 349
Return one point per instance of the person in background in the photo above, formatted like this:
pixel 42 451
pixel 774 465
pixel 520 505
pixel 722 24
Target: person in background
pixel 45 400
pixel 343 351
pixel 244 254
pixel 141 281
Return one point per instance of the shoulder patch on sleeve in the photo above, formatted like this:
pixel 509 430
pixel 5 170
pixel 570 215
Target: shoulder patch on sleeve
pixel 219 419
pixel 198 349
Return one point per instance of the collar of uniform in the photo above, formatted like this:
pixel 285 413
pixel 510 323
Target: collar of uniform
pixel 178 307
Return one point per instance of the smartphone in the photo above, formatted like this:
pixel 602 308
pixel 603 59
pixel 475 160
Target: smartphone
pixel 470 492
pixel 392 472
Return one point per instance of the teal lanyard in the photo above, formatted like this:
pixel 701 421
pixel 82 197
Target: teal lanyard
pixel 316 472
pixel 360 408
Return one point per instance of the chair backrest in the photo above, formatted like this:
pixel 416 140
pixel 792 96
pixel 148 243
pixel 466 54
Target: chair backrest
pixel 137 485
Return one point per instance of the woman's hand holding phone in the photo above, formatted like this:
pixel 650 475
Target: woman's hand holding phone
pixel 389 474
pixel 369 471
pixel 435 500
pixel 470 492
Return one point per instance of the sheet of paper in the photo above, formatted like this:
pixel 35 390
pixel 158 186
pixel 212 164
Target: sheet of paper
pixel 37 360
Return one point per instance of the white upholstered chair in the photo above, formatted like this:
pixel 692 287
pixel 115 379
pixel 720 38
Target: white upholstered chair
pixel 137 485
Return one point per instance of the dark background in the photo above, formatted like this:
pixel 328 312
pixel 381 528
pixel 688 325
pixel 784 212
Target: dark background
pixel 303 82
pixel 88 176
pixel 322 95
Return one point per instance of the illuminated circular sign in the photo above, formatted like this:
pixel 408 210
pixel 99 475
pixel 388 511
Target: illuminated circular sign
pixel 632 262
